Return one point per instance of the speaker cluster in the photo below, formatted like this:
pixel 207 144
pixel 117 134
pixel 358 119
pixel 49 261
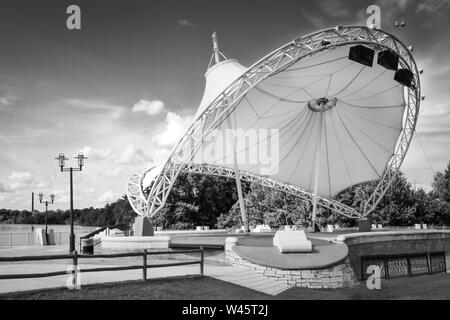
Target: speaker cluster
pixel 387 59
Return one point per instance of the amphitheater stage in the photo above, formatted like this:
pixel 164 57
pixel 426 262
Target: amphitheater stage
pixel 259 250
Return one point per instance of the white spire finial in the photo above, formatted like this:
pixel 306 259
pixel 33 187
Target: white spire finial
pixel 215 47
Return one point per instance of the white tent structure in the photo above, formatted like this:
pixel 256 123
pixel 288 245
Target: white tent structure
pixel 322 113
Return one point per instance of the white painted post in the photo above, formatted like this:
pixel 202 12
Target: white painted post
pixel 238 181
pixel 317 164
pixel 10 239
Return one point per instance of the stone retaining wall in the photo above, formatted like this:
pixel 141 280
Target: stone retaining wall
pixel 338 276
pixel 395 243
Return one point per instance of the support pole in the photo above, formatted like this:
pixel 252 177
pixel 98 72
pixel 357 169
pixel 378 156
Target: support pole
pixel 215 47
pixel 46 222
pixel 317 168
pixel 237 175
pixel 72 236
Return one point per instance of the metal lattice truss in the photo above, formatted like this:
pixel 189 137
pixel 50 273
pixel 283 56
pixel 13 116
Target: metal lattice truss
pixel 275 62
pixel 139 203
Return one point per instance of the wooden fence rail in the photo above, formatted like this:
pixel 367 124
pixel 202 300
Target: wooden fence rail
pixel 75 257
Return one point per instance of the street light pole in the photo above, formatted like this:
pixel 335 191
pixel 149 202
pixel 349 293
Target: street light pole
pixel 61 159
pixel 41 197
pixel 72 234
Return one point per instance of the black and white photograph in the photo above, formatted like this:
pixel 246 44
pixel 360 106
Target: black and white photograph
pixel 224 155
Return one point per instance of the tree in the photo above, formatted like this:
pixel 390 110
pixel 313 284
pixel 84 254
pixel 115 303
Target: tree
pixel 441 184
pixel 196 200
pixel 397 207
pixel 267 206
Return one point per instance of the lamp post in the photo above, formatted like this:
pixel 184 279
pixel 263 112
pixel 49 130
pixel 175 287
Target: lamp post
pixel 61 160
pixel 41 200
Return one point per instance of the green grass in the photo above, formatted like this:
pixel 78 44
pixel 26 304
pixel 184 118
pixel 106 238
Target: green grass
pixel 435 287
pixel 205 288
pixel 177 288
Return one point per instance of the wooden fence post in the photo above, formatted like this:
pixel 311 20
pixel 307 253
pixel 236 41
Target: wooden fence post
pixel 144 265
pixel 75 267
pixel 202 259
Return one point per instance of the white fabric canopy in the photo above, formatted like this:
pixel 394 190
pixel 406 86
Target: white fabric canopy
pixel 359 133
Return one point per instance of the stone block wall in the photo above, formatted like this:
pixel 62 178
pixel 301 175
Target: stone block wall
pixel 337 276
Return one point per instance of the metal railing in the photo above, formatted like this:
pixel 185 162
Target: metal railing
pixel 75 257
pixel 405 265
pixel 17 239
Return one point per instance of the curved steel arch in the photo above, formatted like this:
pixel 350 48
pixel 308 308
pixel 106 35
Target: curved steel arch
pixel 275 62
pixel 139 203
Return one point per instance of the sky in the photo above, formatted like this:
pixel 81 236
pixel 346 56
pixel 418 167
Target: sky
pixel 124 88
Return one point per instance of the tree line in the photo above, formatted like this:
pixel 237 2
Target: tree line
pixel 212 201
pixel 118 211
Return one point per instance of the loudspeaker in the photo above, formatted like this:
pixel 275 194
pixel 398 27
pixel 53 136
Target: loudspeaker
pixel 404 77
pixel 388 59
pixel 361 54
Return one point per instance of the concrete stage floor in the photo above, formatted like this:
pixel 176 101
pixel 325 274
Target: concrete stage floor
pixel 257 248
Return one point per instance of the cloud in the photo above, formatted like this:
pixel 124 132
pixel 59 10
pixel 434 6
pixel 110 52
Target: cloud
pixel 152 107
pixel 185 23
pixel 115 172
pixel 8 99
pixel 4 188
pixel 132 155
pixel 21 180
pixel 335 8
pixel 432 6
pixel 89 190
pixel 25 180
pixel 96 154
pixel 97 106
pixel 108 196
pixel 176 126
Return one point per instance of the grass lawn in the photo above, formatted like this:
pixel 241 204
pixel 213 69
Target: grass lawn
pixel 177 288
pixel 205 288
pixel 434 287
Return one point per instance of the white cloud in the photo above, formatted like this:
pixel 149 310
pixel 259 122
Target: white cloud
pixel 97 106
pixel 132 155
pixel 8 99
pixel 21 180
pixel 176 126
pixel 4 188
pixel 114 172
pixel 108 196
pixel 25 177
pixel 152 107
pixel 432 6
pixel 95 154
pixel 185 23
pixel 25 180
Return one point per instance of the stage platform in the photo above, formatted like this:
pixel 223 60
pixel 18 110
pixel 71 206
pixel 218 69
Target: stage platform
pixel 209 241
pixel 258 249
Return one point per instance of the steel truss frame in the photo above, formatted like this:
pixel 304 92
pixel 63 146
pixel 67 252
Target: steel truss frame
pixel 275 62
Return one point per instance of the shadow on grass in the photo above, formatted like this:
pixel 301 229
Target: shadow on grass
pixel 206 288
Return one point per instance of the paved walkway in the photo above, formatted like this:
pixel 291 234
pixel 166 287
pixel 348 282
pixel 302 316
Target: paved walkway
pixel 249 279
pixel 220 271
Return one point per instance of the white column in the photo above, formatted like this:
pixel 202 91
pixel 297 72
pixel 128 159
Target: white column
pixel 317 166
pixel 238 179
